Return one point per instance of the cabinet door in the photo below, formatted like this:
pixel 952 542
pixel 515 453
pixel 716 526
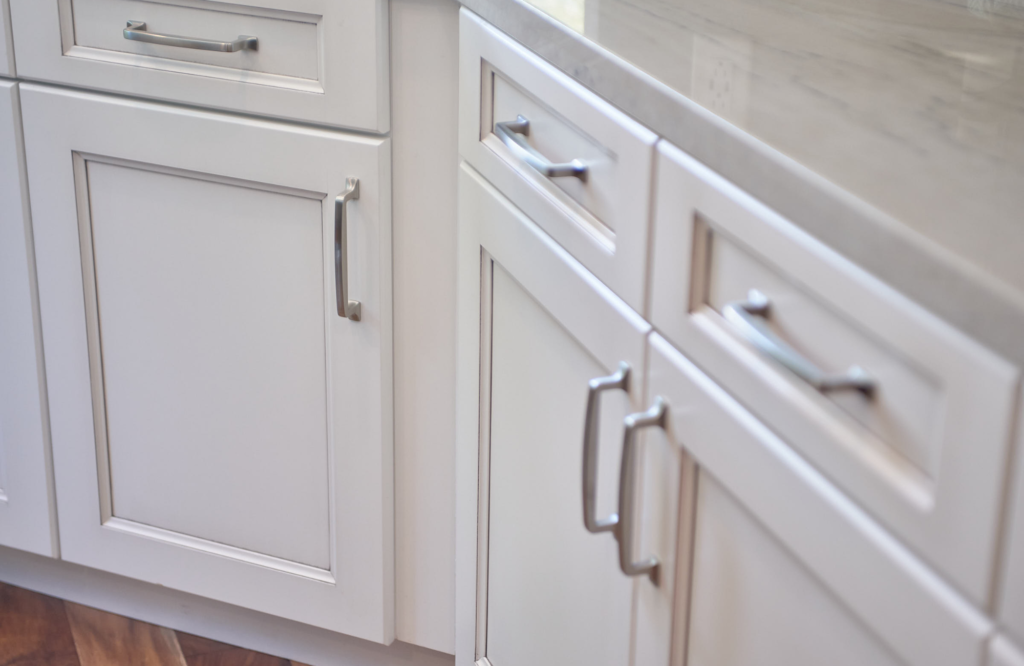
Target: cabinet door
pixel 787 570
pixel 25 496
pixel 217 426
pixel 323 61
pixel 547 591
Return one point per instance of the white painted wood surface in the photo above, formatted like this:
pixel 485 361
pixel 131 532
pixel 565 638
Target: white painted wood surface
pixel 198 615
pixel 424 80
pixel 1010 595
pixel 604 222
pixel 1003 652
pixel 6 42
pixel 320 61
pixel 27 517
pixel 213 269
pixel 543 589
pixel 754 604
pixel 914 613
pixel 926 454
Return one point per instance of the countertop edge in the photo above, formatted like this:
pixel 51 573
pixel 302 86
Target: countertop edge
pixel 939 280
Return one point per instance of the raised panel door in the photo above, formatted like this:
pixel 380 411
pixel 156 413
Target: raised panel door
pixel 26 519
pixel 218 427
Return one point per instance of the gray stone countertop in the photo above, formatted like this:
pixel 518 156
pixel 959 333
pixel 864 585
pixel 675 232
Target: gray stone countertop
pixel 907 225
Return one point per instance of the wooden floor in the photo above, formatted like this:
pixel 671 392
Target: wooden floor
pixel 36 630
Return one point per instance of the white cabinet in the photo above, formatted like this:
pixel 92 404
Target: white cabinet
pixel 906 414
pixel 26 519
pixel 323 61
pixel 6 43
pixel 217 426
pixel 537 329
pixel 786 569
pixel 520 118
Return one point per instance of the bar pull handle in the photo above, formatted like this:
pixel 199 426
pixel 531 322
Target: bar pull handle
pixel 628 485
pixel 349 309
pixel 511 134
pixel 136 31
pixel 749 319
pixel 591 428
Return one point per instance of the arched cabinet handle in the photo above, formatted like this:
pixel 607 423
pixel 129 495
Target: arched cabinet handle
pixel 136 31
pixel 748 317
pixel 511 133
pixel 628 487
pixel 349 309
pixel 592 425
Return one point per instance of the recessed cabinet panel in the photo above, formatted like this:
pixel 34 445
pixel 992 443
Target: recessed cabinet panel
pixel 753 604
pixel 288 42
pixel 323 61
pixel 26 520
pixel 211 316
pixel 217 427
pixel 549 580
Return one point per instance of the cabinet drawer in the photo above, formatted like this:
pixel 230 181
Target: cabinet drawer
pixel 908 415
pixel 786 569
pixel 301 64
pixel 577 166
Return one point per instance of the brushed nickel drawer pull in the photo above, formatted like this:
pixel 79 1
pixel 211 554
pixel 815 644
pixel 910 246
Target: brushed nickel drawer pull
pixel 749 319
pixel 349 309
pixel 511 134
pixel 136 31
pixel 591 428
pixel 653 417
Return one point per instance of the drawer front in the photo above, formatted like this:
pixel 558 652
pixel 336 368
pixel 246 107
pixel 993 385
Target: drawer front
pixel 577 166
pixel 905 413
pixel 778 546
pixel 299 66
pixel 6 43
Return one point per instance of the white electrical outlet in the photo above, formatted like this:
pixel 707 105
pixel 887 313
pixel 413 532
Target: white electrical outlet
pixel 721 76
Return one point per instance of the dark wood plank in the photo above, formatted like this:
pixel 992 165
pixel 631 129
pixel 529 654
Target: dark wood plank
pixel 201 651
pixel 34 630
pixel 105 639
pixel 236 657
pixel 193 646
